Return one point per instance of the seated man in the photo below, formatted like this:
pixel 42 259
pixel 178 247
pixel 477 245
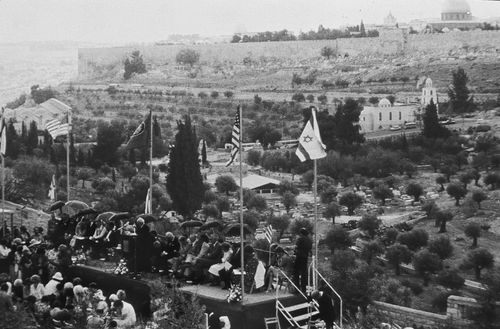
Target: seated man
pixel 125 314
pixel 213 256
pixel 171 249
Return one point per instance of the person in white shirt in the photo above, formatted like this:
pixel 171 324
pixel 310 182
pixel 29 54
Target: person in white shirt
pixel 51 286
pixel 36 288
pixel 126 317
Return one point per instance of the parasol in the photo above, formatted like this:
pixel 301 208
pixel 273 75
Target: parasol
pixel 56 206
pixel 88 211
pixel 214 224
pixel 105 216
pixel 71 208
pixel 191 224
pixel 148 218
pixel 234 229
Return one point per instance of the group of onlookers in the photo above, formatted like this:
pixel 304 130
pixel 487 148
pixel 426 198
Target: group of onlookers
pixel 62 303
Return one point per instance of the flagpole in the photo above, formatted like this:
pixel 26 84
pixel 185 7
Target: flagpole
pixel 3 192
pixel 67 154
pixel 242 245
pixel 150 162
pixel 315 193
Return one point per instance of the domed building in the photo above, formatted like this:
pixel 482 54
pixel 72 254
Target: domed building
pixel 456 10
pixel 455 14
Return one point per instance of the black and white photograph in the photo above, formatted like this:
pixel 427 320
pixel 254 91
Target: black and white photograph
pixel 265 164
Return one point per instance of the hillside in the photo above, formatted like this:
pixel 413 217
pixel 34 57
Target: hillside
pixel 270 66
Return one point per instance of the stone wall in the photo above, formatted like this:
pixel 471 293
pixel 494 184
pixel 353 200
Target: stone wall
pixel 408 317
pixel 456 315
pixel 292 53
pixel 458 312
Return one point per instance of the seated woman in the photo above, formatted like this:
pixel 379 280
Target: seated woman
pixel 250 268
pixel 97 239
pixel 224 265
pixel 277 265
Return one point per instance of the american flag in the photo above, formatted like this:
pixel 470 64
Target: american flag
pixel 3 134
pixel 235 138
pixel 268 232
pixel 56 128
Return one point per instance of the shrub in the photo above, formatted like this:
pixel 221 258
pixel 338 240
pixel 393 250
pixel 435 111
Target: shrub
pixel 440 302
pixel 450 279
pixel 299 223
pixel 338 238
pixel 415 287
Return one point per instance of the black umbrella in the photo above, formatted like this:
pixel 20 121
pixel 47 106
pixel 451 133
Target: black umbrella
pixel 148 218
pixel 105 216
pixel 214 224
pixel 88 211
pixel 234 229
pixel 56 206
pixel 73 207
pixel 191 223
pixel 119 216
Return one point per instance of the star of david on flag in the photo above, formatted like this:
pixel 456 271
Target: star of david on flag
pixel 310 145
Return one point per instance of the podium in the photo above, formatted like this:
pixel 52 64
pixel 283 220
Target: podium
pixel 129 250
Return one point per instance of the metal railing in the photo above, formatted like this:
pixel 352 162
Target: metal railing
pixel 333 290
pixel 281 308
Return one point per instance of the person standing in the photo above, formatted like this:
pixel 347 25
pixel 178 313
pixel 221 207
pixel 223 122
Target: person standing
pixel 144 246
pixel 303 248
pixel 325 306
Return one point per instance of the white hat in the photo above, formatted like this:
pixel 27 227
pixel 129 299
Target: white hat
pixel 57 276
pixel 113 297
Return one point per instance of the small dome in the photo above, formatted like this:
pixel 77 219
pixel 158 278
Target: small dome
pixel 384 103
pixel 428 83
pixel 455 6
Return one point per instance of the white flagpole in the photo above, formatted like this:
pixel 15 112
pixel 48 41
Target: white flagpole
pixel 67 155
pixel 151 162
pixel 315 256
pixel 242 245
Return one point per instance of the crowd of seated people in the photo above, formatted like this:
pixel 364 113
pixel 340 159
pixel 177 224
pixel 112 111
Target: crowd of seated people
pixel 200 258
pixel 63 303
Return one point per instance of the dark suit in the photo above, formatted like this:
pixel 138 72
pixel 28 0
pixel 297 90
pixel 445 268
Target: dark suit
pixel 144 247
pixel 302 250
pixel 326 310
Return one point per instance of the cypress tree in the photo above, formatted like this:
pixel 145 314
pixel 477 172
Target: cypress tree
pixel 204 153
pixel 32 140
pixel 13 143
pixel 184 181
pixel 460 99
pixel 432 128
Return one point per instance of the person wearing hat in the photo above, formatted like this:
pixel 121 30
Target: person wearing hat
pixel 303 248
pixel 25 264
pixel 36 287
pixel 325 306
pixel 51 286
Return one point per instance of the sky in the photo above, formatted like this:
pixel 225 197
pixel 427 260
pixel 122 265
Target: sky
pixel 119 21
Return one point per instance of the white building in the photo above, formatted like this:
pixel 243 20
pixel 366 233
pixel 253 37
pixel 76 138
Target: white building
pixel 41 114
pixel 429 93
pixel 385 115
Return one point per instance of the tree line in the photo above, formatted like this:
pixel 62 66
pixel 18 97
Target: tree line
pixel 322 33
